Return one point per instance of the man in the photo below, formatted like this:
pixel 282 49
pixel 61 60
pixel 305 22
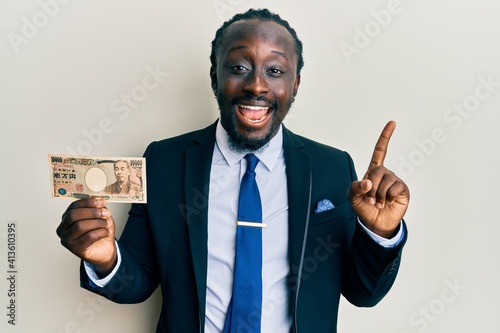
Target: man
pixel 185 238
pixel 123 185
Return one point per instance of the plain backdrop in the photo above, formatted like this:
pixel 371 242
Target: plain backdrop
pixel 67 67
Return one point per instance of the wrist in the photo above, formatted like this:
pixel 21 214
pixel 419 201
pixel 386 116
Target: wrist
pixel 384 233
pixel 104 269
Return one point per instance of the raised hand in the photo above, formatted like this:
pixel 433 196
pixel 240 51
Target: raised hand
pixel 87 229
pixel 380 199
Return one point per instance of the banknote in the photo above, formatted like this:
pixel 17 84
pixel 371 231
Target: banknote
pixel 117 179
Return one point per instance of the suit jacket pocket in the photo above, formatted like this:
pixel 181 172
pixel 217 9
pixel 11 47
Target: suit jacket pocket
pixel 337 213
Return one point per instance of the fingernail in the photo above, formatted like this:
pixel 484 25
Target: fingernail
pixel 370 200
pixel 363 186
pixel 105 213
pixel 379 205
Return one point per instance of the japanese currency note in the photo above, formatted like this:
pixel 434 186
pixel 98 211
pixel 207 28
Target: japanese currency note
pixel 117 179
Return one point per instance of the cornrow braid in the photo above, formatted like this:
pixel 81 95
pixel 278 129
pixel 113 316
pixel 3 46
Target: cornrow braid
pixel 260 14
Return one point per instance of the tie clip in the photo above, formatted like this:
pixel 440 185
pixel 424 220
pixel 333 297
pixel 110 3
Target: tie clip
pixel 251 224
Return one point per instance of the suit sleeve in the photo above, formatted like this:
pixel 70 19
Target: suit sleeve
pixel 137 277
pixel 371 269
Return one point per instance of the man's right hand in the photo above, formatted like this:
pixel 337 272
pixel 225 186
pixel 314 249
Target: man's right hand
pixel 87 229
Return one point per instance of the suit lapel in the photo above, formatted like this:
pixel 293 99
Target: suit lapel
pixel 298 173
pixel 197 181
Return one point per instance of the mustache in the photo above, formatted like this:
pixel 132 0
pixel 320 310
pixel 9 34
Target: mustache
pixel 249 98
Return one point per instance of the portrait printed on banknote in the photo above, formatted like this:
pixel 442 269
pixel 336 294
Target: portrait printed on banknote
pixel 118 179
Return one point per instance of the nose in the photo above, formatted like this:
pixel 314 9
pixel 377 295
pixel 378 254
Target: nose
pixel 256 83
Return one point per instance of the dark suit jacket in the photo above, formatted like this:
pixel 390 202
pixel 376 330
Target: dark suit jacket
pixel 165 241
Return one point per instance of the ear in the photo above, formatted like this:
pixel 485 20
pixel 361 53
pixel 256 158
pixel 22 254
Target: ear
pixel 296 85
pixel 213 79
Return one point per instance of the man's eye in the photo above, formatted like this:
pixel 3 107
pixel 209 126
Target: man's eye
pixel 275 71
pixel 238 68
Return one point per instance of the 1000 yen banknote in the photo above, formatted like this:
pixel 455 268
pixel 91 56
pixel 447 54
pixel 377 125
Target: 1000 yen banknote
pixel 117 179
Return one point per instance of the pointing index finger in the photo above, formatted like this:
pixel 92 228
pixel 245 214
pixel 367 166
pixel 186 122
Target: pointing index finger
pixel 380 150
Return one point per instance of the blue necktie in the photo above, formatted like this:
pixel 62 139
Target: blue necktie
pixel 244 313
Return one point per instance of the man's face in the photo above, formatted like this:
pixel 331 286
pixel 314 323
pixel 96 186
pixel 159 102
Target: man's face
pixel 255 80
pixel 122 172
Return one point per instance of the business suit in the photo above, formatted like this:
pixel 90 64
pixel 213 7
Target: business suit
pixel 165 241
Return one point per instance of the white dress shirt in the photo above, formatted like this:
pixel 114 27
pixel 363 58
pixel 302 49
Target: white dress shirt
pixel 227 170
pixel 228 167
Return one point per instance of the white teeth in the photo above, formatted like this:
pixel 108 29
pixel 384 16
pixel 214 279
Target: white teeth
pixel 253 107
pixel 256 120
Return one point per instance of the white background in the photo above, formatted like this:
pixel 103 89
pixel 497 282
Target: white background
pixel 62 81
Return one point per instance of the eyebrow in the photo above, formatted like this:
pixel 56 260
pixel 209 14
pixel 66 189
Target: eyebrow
pixel 280 54
pixel 236 48
pixel 243 47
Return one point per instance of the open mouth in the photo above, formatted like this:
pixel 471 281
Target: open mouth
pixel 254 114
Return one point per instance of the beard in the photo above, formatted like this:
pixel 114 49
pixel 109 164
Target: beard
pixel 240 143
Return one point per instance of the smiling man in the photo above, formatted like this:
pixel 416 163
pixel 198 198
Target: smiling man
pixel 248 227
pixel 255 78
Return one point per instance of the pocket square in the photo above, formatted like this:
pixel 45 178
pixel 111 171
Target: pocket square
pixel 323 206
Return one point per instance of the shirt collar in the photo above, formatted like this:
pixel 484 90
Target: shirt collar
pixel 267 156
